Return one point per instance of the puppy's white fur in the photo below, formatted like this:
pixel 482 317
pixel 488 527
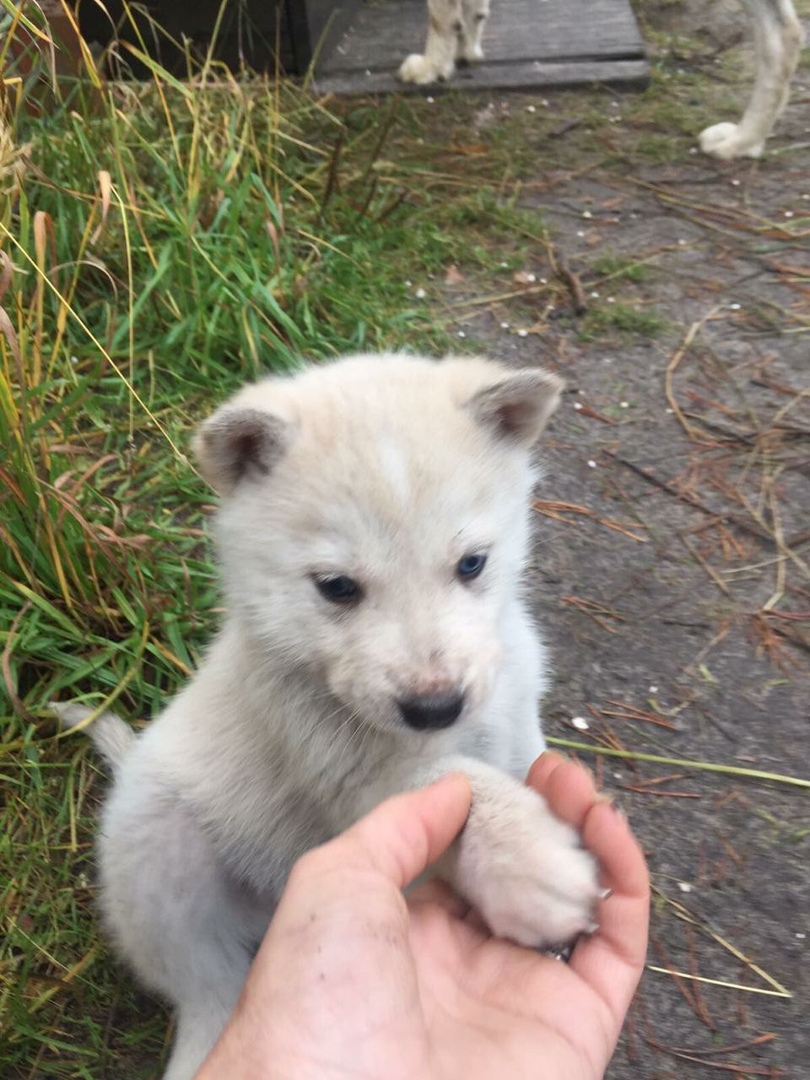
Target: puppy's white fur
pixel 388 470
pixel 456 27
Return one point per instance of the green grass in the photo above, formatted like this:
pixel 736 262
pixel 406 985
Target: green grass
pixel 166 242
pixel 623 319
pixel 619 267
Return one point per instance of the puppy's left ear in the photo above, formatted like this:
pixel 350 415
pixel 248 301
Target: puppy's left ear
pixel 518 407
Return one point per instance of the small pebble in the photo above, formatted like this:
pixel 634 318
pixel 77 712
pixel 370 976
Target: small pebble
pixel 420 294
pixel 577 404
pixel 624 404
pixel 531 108
pixel 461 333
pixel 504 326
pixel 523 333
pixel 580 723
pixel 684 886
pixel 591 464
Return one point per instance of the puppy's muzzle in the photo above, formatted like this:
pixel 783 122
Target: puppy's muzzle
pixel 431 712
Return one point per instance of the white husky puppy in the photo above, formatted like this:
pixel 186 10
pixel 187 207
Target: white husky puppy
pixel 456 30
pixel 373 528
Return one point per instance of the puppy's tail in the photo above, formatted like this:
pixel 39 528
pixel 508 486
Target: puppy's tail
pixel 111 736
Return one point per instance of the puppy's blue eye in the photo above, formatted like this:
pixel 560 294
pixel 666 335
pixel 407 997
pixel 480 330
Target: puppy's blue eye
pixel 339 589
pixel 470 566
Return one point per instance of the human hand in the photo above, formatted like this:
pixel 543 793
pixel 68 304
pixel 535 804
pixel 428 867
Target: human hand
pixel 354 979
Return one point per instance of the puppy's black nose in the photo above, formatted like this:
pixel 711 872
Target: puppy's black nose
pixel 431 712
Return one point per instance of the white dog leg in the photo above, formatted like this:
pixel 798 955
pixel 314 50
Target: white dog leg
pixel 519 866
pixel 182 924
pixel 778 38
pixel 523 869
pixel 474 14
pixel 445 29
pixel 198 1028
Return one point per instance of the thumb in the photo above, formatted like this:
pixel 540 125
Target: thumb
pixel 402 836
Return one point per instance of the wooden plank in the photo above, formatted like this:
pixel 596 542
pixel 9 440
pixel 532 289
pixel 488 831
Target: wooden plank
pixel 383 32
pixel 523 76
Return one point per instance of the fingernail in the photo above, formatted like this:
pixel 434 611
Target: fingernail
pixel 605 894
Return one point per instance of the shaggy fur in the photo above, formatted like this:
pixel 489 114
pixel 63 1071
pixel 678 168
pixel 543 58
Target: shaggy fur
pixel 456 27
pixel 319 698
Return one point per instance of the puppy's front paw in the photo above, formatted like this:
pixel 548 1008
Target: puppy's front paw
pixel 418 69
pixel 526 871
pixel 726 141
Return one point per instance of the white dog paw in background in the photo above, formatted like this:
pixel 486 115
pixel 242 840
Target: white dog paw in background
pixel 455 32
pixel 424 70
pixel 727 141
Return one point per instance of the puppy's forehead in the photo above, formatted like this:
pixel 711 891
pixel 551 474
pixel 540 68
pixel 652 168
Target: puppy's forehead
pixel 395 467
pixel 389 467
pixel 385 476
pixel 382 423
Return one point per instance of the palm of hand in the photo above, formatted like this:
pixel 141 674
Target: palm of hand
pixel 353 981
pixel 491 1008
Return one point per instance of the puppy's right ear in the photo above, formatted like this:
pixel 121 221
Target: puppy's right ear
pixel 238 444
pixel 518 406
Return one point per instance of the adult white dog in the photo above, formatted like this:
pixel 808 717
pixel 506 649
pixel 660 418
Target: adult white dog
pixel 372 534
pixel 456 27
